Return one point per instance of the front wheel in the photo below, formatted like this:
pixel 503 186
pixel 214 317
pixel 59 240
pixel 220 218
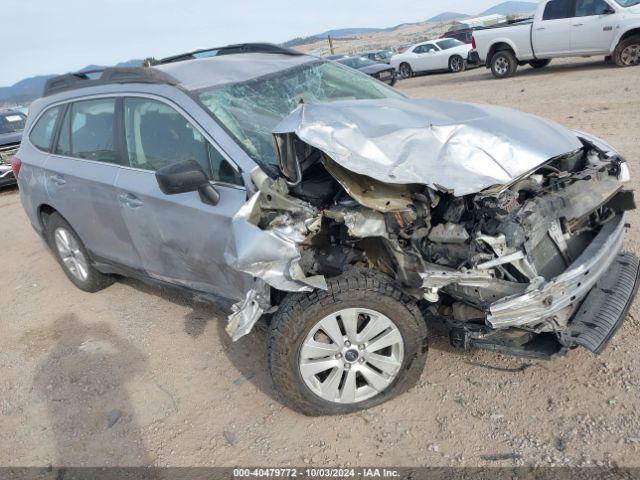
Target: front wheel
pixel 504 64
pixel 539 63
pixel 456 64
pixel 358 344
pixel 405 70
pixel 627 53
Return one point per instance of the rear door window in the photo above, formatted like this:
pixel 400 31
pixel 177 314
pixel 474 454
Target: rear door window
pixel 41 135
pixel 558 9
pixel 88 131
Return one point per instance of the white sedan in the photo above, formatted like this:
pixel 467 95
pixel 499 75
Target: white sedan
pixel 443 54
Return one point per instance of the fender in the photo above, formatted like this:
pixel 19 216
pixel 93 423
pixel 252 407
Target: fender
pixel 624 30
pixel 506 41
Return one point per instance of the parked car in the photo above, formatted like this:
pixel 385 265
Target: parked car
pixel 563 28
pixel 344 214
pixel 379 71
pixel 465 35
pixel 11 127
pixel 437 55
pixel 379 56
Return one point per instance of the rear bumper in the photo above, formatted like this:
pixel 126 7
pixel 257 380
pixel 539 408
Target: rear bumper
pixel 565 291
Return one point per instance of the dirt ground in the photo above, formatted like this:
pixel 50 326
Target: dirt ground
pixel 135 375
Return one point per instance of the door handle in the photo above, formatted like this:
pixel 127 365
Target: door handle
pixel 578 24
pixel 130 201
pixel 58 180
pixel 540 28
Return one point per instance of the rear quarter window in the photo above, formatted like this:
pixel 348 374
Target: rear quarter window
pixel 41 135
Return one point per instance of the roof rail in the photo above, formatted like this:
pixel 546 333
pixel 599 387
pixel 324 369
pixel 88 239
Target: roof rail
pixel 109 75
pixel 231 50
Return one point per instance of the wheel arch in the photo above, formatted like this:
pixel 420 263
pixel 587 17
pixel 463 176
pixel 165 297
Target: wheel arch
pixel 500 46
pixel 631 32
pixel 44 211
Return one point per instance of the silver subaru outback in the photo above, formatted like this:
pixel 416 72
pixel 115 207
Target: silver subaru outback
pixel 348 217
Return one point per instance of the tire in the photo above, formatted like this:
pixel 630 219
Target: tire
pixel 504 64
pixel 627 53
pixel 299 316
pixel 405 70
pixel 540 63
pixel 457 64
pixel 72 255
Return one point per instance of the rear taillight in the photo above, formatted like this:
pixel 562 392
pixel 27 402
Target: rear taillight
pixel 473 42
pixel 16 164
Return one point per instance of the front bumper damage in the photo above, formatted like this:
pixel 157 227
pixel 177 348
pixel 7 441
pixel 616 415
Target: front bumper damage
pixel 472 209
pixel 562 295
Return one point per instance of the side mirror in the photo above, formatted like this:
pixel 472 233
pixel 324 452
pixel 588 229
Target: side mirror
pixel 608 11
pixel 186 176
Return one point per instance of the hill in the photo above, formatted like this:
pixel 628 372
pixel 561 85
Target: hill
pixel 511 8
pixel 30 88
pixel 447 17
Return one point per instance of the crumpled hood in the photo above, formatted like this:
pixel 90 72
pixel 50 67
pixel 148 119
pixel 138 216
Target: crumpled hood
pixel 459 147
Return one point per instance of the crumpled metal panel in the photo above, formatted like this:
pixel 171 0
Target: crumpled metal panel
pixel 246 313
pixel 272 254
pixel 568 289
pixel 458 147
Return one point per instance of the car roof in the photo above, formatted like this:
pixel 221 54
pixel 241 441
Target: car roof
pixel 231 64
pixel 212 71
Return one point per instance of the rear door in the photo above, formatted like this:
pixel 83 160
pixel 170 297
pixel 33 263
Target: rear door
pixel 552 34
pixel 593 27
pixel 80 179
pixel 179 238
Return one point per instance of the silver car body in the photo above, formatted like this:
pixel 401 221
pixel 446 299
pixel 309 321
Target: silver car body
pixel 389 146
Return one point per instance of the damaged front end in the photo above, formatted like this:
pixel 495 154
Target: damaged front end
pixel 508 227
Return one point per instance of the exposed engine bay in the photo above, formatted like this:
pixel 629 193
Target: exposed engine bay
pixel 519 257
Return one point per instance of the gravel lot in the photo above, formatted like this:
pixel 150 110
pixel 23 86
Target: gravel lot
pixel 135 375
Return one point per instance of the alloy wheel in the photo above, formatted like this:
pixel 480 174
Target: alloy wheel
pixel 631 55
pixel 501 66
pixel 70 254
pixel 456 64
pixel 351 355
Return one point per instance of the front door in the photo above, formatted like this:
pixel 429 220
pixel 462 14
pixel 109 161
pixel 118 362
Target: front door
pixel 593 28
pixel 180 239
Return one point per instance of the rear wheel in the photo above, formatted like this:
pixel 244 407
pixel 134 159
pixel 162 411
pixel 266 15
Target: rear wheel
pixel 627 53
pixel 540 63
pixel 456 64
pixel 405 70
pixel 504 64
pixel 72 255
pixel 352 347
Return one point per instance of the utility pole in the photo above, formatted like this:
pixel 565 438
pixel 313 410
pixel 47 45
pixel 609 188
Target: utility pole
pixel 330 44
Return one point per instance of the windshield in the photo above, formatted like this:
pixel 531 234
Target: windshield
pixel 249 111
pixel 356 62
pixel 11 122
pixel 449 43
pixel 628 3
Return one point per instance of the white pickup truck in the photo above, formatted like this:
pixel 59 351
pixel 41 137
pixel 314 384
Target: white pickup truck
pixel 562 28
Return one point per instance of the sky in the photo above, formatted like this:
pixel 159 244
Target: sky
pixel 44 36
